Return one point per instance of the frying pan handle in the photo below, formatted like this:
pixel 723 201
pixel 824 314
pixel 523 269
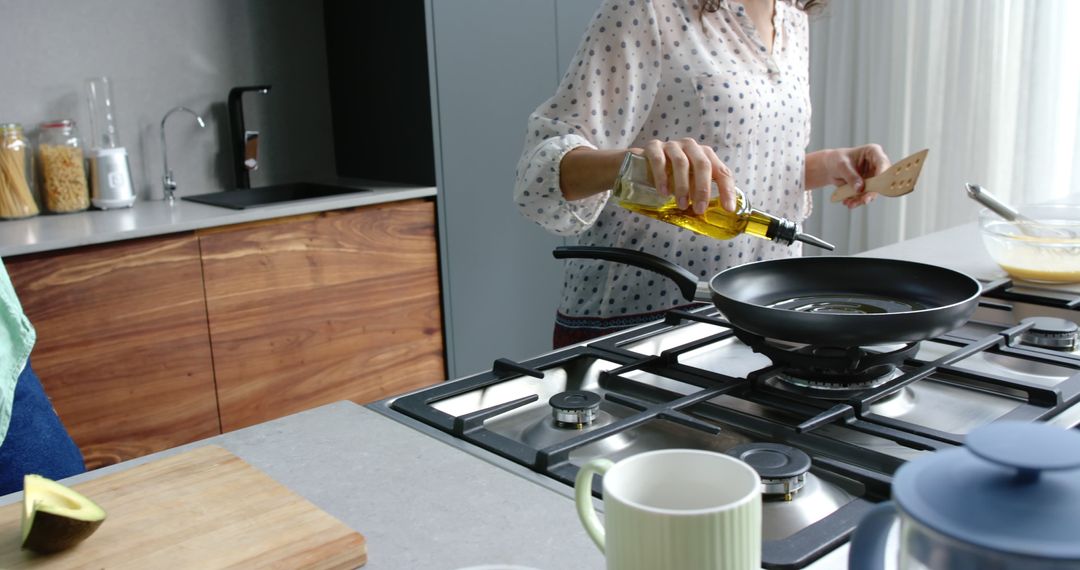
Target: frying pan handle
pixel 683 278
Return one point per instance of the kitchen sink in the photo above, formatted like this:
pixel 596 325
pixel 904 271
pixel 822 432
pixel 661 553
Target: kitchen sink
pixel 268 195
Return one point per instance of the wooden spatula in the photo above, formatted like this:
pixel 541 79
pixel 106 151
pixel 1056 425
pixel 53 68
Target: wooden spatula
pixel 898 180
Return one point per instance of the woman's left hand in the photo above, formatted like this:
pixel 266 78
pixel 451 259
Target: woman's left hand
pixel 852 166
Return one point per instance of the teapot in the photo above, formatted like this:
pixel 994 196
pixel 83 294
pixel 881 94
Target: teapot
pixel 1008 500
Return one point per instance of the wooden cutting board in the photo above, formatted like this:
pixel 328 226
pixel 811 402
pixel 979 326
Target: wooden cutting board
pixel 205 508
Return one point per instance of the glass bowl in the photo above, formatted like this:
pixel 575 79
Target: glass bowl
pixel 1043 249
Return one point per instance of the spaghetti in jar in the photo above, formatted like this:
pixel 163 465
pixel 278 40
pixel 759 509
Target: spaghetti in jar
pixel 16 174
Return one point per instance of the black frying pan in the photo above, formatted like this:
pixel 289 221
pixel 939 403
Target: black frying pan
pixel 825 301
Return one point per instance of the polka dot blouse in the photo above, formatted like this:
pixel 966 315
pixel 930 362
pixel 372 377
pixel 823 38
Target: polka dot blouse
pixel 660 69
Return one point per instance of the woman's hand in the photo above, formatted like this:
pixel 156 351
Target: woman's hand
pixel 853 165
pixel 688 170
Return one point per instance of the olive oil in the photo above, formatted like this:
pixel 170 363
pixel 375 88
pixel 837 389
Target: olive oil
pixel 634 191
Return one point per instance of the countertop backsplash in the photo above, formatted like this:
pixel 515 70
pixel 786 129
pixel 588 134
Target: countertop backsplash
pixel 160 54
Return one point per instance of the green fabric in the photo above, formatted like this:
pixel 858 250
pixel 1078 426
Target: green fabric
pixel 17 337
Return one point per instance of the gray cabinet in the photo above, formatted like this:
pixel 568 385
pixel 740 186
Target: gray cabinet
pixel 493 62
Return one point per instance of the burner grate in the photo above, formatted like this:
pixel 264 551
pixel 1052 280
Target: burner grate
pixel 848 402
pixel 693 376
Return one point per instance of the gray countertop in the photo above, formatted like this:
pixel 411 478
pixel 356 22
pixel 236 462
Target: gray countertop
pixel 959 248
pixel 420 503
pixel 157 217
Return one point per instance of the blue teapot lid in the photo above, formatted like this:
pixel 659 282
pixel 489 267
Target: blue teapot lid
pixel 1014 488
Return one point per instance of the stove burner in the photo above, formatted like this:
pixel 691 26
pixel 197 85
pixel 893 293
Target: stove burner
pixel 1051 332
pixel 574 408
pixel 832 369
pixel 870 378
pixel 782 468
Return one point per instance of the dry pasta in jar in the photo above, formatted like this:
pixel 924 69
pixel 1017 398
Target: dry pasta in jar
pixel 63 173
pixel 16 197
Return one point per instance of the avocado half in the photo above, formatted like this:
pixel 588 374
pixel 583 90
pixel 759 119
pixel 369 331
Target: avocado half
pixel 55 517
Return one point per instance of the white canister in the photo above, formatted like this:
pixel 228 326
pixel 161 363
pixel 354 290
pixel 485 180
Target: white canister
pixel 110 178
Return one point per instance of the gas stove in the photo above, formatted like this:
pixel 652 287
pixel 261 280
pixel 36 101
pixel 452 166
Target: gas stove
pixel 825 427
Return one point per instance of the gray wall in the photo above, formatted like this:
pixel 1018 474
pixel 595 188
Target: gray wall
pixel 163 53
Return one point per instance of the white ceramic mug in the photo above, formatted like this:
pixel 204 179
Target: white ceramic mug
pixel 675 508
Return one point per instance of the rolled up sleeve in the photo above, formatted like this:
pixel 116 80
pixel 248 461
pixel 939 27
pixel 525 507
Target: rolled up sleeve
pixel 601 102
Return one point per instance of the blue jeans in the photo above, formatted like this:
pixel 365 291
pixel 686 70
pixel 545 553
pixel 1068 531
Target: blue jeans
pixel 36 441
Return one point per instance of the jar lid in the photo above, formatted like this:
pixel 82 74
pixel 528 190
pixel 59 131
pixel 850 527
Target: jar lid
pixel 61 123
pixel 1014 488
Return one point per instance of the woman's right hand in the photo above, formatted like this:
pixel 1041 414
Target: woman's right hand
pixel 690 168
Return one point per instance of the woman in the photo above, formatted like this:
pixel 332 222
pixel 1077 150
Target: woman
pixel 32 439
pixel 708 93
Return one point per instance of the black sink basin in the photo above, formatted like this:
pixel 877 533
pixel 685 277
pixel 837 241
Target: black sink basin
pixel 267 195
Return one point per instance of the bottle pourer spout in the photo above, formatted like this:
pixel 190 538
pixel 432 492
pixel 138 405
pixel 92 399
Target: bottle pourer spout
pixel 782 230
pixel 807 238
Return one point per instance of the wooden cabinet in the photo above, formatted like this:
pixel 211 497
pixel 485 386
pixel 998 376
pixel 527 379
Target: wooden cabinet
pixel 122 349
pixel 148 344
pixel 338 305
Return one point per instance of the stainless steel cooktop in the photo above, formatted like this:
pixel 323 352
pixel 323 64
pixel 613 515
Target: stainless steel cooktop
pixel 825 428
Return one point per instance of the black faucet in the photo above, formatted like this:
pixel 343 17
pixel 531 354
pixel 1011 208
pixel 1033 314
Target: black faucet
pixel 245 144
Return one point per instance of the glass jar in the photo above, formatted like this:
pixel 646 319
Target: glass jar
pixel 63 173
pixel 16 174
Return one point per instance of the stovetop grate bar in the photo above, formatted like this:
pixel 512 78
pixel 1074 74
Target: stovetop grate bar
pixel 801 408
pixel 909 439
pixel 1007 289
pixel 1063 393
pixel 684 374
pixel 472 421
pixel 925 369
pixel 560 452
pixel 672 320
pixel 809 544
pixel 879 484
pixel 852 357
pixel 506 368
pixel 677 317
pixel 1041 401
pixel 864 400
pixel 1020 414
pixel 677 417
pixel 838 412
pixel 419 404
pixel 1035 394
pixel 671 355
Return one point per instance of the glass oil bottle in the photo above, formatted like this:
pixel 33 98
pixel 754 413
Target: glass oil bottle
pixel 634 191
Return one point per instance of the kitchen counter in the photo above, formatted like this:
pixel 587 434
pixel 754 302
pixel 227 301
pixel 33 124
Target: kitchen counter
pixel 959 248
pixel 155 217
pixel 419 502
